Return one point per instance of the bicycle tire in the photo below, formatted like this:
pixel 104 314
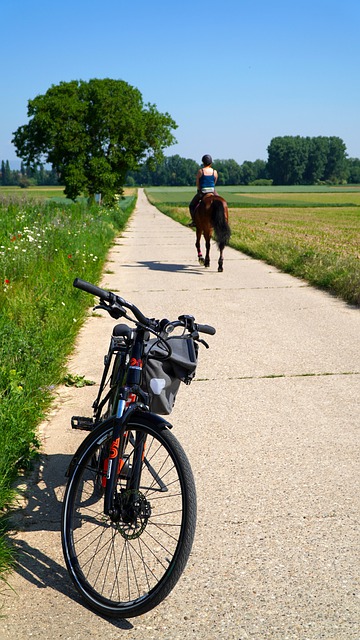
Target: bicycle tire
pixel 120 570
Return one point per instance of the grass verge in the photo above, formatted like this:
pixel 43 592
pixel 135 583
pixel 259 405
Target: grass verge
pixel 43 247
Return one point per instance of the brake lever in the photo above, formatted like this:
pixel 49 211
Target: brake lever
pixel 203 342
pixel 114 311
pixel 196 336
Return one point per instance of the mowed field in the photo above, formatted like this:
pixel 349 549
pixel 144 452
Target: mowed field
pixel 310 232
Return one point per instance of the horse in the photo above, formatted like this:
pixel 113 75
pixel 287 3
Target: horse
pixel 211 215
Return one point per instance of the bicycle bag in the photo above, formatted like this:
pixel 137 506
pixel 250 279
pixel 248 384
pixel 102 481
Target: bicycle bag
pixel 162 374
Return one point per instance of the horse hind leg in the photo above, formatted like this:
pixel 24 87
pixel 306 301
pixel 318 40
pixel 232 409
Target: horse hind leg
pixel 198 248
pixel 207 255
pixel 221 261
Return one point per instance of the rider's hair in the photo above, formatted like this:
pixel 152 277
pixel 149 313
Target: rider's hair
pixel 206 160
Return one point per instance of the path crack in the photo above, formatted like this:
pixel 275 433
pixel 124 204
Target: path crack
pixel 285 375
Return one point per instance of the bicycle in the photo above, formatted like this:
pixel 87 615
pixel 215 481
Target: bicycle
pixel 129 510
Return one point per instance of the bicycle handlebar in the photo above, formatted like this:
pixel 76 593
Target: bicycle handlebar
pixel 114 299
pixel 93 289
pixel 206 328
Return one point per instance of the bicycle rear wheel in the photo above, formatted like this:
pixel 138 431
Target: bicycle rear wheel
pixel 127 565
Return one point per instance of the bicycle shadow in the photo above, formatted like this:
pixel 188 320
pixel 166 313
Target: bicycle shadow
pixel 44 494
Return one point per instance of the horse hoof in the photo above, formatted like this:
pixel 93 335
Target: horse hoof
pixel 220 269
pixel 201 260
pixel 206 264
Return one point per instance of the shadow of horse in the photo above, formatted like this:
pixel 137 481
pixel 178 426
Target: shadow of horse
pixel 156 265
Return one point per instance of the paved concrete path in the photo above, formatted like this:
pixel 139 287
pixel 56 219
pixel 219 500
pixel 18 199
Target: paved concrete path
pixel 271 426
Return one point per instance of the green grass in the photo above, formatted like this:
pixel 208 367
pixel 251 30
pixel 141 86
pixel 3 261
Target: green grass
pixel 43 247
pixel 311 233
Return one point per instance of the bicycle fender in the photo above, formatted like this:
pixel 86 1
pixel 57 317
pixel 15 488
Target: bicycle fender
pixel 140 416
pixel 153 418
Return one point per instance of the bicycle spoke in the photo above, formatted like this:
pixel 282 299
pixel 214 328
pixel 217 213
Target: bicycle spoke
pixel 124 559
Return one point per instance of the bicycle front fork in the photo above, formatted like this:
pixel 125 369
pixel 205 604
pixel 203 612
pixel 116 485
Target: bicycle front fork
pixel 116 460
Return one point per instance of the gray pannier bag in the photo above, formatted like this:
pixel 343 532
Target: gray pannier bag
pixel 162 373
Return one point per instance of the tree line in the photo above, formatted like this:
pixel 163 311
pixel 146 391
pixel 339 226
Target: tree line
pixel 291 161
pixel 26 176
pixel 181 172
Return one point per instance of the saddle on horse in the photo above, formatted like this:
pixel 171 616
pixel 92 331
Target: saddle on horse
pixel 195 203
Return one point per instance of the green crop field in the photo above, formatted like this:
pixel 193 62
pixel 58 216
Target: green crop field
pixel 310 232
pixel 240 196
pixel 31 192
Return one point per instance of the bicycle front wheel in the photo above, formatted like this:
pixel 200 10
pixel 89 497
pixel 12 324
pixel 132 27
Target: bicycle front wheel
pixel 125 565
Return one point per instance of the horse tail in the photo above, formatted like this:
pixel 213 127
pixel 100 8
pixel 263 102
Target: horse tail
pixel 220 224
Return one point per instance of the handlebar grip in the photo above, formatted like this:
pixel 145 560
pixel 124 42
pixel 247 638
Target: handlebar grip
pixel 206 328
pixel 93 289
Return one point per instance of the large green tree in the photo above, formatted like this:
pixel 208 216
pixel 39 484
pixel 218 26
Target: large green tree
pixel 298 160
pixel 93 133
pixel 287 159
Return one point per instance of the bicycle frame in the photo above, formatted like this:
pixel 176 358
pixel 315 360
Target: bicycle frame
pixel 118 345
pixel 126 404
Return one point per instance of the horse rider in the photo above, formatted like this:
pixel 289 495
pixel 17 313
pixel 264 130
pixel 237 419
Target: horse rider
pixel 206 179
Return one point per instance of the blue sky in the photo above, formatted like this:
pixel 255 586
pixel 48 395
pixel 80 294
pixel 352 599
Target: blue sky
pixel 233 74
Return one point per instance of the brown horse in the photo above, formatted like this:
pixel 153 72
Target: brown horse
pixel 211 215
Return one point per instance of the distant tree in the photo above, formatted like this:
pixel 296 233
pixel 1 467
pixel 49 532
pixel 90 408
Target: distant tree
pixel 353 165
pixel 298 160
pixel 93 133
pixel 247 173
pixel 7 178
pixel 287 159
pixel 336 166
pixel 277 160
pixel 130 181
pixel 229 171
pixel 52 177
pixel 41 177
pixel 8 173
pixel 260 169
pixel 24 181
pixel 172 171
pixel 3 173
pixel 317 159
pixel 223 171
pixel 178 171
pixel 144 176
